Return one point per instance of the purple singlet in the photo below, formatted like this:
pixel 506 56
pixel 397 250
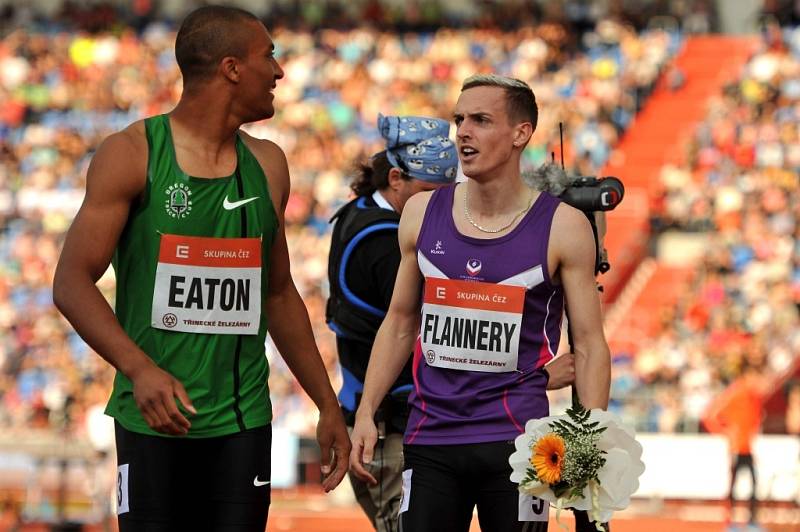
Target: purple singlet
pixel 491 318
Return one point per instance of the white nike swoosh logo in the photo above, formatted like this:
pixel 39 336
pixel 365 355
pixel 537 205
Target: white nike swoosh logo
pixel 257 483
pixel 230 205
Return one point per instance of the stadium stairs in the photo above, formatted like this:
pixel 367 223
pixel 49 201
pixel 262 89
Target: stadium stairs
pixel 657 137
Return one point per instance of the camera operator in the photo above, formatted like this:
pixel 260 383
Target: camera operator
pixel 362 267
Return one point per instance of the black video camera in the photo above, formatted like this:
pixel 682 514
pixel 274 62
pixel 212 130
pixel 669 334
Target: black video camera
pixel 594 196
pixel 590 194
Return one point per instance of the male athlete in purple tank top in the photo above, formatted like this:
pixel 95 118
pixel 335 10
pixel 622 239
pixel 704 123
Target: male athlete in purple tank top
pixel 487 267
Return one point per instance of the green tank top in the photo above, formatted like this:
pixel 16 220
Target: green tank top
pixel 192 269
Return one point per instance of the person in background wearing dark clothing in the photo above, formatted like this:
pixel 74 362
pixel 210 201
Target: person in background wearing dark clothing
pixel 362 267
pixel 363 264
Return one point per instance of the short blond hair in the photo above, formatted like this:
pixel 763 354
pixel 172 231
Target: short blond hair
pixel 521 102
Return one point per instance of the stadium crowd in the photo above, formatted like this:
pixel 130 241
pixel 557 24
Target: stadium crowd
pixel 62 91
pixel 738 193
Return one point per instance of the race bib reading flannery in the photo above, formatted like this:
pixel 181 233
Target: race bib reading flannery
pixel 469 325
pixel 208 285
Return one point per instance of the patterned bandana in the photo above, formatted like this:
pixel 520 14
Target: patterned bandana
pixel 420 147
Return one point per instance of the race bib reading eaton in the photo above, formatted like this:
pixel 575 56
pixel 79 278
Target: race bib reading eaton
pixel 468 325
pixel 208 285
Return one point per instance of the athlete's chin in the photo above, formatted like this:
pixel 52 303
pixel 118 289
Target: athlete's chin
pixel 474 173
pixel 262 114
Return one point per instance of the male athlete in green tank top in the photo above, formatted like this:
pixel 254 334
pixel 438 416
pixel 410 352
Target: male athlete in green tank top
pixel 190 211
pixel 227 371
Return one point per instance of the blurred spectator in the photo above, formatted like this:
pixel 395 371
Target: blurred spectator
pixel 738 415
pixel 792 420
pixel 738 192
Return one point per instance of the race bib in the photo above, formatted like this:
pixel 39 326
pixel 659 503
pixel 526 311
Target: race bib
pixel 468 325
pixel 123 501
pixel 533 509
pixel 208 285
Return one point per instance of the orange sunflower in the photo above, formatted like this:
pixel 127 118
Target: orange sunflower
pixel 547 457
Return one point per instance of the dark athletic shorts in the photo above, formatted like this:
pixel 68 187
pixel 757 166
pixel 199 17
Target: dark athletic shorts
pixel 442 484
pixel 216 484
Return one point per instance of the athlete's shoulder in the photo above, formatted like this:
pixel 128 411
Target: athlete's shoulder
pixel 262 148
pixel 417 204
pixel 569 219
pixel 120 161
pixel 273 162
pixel 580 246
pixel 411 219
pixel 132 137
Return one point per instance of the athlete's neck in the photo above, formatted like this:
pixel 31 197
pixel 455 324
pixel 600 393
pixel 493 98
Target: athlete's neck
pixel 498 196
pixel 206 123
pixel 204 136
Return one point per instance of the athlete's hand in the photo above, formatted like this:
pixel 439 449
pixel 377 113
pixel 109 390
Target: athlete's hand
pixel 562 371
pixel 154 391
pixel 334 446
pixel 364 437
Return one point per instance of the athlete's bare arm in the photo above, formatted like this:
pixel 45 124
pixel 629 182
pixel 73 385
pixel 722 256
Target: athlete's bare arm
pixel 290 327
pixel 574 257
pixel 115 179
pixel 395 338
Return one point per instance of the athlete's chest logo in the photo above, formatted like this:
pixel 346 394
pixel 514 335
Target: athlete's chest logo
pixel 179 200
pixel 438 248
pixel 474 267
pixel 230 205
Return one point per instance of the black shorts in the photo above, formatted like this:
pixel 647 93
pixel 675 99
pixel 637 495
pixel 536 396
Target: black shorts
pixel 216 484
pixel 442 484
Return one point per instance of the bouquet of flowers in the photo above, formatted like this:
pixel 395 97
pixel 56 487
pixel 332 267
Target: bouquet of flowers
pixel 585 459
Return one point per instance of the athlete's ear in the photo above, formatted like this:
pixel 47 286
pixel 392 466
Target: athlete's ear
pixel 522 134
pixel 230 68
pixel 395 178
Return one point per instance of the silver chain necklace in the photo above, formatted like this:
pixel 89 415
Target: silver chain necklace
pixel 500 229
